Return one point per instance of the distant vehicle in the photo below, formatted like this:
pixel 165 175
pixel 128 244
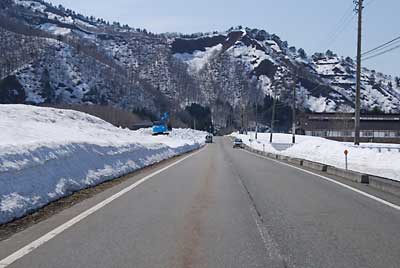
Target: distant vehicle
pixel 161 127
pixel 209 138
pixel 238 143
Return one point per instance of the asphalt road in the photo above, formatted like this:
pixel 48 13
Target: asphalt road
pixel 221 207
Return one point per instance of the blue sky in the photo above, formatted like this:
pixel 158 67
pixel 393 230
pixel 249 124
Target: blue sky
pixel 310 24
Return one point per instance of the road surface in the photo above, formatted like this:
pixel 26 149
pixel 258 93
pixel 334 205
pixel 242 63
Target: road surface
pixel 220 207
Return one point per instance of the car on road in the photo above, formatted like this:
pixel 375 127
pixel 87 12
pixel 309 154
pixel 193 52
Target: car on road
pixel 238 143
pixel 209 138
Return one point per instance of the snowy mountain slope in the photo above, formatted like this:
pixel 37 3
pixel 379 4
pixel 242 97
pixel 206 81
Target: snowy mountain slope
pixel 378 90
pixel 62 74
pixel 70 68
pixel 84 59
pixel 47 153
pixel 326 81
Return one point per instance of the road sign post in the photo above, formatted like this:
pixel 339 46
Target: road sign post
pixel 346 153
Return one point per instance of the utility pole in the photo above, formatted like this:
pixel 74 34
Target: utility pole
pixel 359 8
pixel 294 114
pixel 273 117
pixel 242 116
pixel 256 136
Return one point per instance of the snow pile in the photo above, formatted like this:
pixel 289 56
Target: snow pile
pixel 46 154
pixel 361 159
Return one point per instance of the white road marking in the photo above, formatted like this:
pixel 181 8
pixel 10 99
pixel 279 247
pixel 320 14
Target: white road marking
pixel 397 207
pixel 50 235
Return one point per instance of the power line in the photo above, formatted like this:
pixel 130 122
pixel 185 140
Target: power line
pixel 347 18
pixel 344 21
pixel 341 30
pixel 369 3
pixel 383 46
pixel 382 53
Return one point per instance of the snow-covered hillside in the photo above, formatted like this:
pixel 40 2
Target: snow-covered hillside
pixel 361 158
pixel 326 82
pixel 49 153
pixel 54 55
pixel 378 90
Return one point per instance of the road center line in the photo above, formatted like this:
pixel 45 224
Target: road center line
pixel 384 202
pixel 50 235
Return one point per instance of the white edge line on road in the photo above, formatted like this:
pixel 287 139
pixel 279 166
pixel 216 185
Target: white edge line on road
pixel 333 181
pixel 50 235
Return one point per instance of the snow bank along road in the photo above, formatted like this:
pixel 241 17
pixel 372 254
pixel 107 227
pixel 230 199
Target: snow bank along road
pixel 361 158
pixel 46 154
pixel 218 207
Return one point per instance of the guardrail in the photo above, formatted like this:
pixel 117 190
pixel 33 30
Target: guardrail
pixel 380 149
pixel 380 183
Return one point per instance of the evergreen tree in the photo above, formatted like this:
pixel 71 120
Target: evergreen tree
pixel 390 85
pixel 202 116
pixel 377 110
pixel 349 60
pixel 329 53
pixel 397 80
pixel 47 90
pixel 302 53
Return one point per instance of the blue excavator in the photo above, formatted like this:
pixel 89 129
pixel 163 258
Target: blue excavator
pixel 161 127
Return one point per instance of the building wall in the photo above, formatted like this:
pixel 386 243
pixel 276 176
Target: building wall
pixel 382 128
pixel 348 133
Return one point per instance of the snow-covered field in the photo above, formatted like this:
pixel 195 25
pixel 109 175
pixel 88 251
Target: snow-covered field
pixel 361 159
pixel 46 154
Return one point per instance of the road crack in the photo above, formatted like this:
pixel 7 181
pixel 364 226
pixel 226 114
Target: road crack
pixel 273 254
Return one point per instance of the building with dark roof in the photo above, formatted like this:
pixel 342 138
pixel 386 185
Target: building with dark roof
pixel 340 126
